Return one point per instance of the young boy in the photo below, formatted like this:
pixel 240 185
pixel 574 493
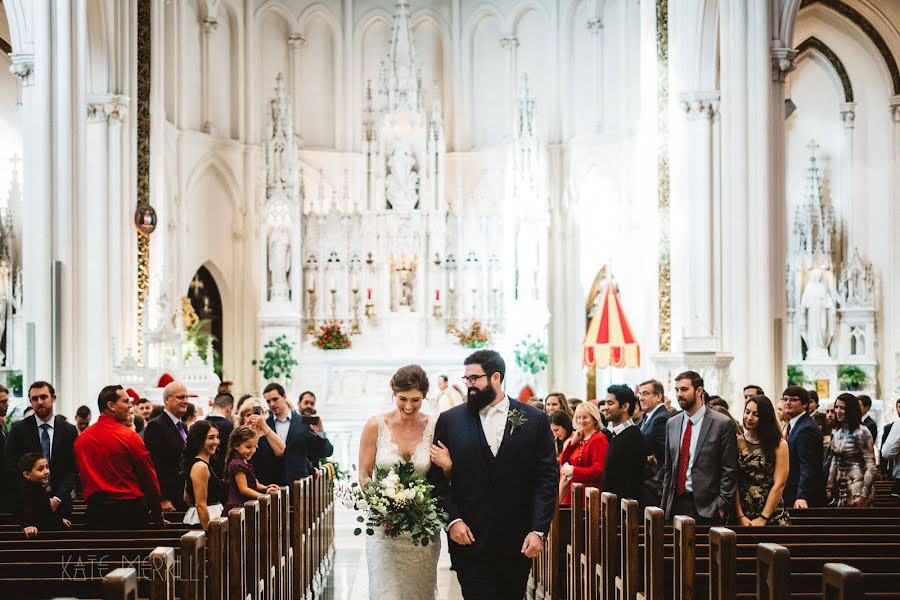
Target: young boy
pixel 36 511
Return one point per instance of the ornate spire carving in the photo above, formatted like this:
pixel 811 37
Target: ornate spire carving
pixel 281 148
pixel 400 75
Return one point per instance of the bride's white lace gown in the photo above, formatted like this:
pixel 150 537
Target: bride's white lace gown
pixel 398 569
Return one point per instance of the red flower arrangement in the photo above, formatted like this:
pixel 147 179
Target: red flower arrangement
pixel 332 337
pixel 475 335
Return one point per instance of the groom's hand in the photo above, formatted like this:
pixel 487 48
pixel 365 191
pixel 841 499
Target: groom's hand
pixel 461 534
pixel 533 545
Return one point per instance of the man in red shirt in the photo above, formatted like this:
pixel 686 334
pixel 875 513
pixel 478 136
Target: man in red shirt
pixel 117 475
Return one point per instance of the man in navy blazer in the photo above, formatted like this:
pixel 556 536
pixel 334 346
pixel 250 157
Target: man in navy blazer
pixel 305 444
pixel 805 486
pixel 165 436
pixel 653 425
pixel 505 482
pixel 38 433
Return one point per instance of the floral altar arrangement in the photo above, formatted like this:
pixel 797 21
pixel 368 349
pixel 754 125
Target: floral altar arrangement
pixel 332 337
pixel 475 335
pixel 397 501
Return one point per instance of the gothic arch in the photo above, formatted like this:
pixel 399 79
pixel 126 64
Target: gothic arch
pixel 19 25
pixel 217 166
pixel 325 13
pixel 520 12
pixel 812 44
pixel 276 6
pixel 868 29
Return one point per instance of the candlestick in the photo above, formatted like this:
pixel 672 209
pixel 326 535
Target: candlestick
pixel 369 294
pixel 437 295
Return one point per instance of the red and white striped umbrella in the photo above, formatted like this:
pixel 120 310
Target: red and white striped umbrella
pixel 609 339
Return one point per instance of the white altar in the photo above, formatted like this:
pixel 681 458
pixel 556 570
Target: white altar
pixel 395 253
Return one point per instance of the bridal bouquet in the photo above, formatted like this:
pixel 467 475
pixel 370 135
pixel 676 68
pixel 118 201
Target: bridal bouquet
pixel 398 501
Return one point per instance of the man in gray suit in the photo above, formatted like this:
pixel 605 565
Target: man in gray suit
pixel 701 458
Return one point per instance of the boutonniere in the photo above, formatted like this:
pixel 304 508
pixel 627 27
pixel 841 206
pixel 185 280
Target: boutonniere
pixel 516 419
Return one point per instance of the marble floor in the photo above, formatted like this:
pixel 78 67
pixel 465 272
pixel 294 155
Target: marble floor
pixel 349 579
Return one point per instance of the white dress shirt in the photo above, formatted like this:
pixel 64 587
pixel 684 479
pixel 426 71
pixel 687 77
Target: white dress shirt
pixel 282 426
pixel 49 432
pixel 891 446
pixel 696 424
pixel 493 422
pixel 793 422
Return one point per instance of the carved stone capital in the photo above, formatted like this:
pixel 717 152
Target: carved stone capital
pixel 108 107
pixel 848 114
pixel 595 25
pixel 509 42
pixel 700 105
pixel 296 41
pixel 210 24
pixel 782 62
pixel 895 108
pixel 23 67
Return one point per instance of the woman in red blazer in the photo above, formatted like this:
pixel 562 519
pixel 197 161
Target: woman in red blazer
pixel 583 457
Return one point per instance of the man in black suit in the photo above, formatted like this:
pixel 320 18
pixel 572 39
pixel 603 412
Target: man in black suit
pixel 6 494
pixel 48 435
pixel 865 403
pixel 505 482
pixel 164 437
pixel 653 425
pixel 223 406
pixel 626 459
pixel 305 443
pixel 805 486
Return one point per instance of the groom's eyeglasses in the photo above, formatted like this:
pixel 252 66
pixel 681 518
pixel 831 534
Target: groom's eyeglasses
pixel 471 379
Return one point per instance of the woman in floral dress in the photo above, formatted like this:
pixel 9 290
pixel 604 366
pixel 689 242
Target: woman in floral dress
pixel 850 457
pixel 763 464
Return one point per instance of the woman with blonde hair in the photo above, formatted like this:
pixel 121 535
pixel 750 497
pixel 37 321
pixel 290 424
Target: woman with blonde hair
pixel 583 457
pixel 253 415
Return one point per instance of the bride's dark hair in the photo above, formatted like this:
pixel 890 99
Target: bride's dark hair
pixel 410 377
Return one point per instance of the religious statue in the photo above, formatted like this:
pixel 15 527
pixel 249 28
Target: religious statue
pixel 817 312
pixel 404 275
pixel 279 263
pixel 402 181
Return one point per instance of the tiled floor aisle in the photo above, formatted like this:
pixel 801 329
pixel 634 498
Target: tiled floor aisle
pixel 349 580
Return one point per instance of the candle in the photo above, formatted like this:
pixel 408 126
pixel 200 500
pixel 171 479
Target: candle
pixel 369 294
pixel 437 295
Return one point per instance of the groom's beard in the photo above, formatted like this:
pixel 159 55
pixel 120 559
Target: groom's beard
pixel 478 399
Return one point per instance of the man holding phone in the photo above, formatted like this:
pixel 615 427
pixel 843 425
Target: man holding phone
pixel 307 404
pixel 305 443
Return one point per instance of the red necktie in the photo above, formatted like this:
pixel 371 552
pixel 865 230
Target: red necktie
pixel 684 458
pixel 787 432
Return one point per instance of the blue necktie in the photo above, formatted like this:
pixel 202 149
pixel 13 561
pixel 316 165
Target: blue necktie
pixel 182 430
pixel 45 440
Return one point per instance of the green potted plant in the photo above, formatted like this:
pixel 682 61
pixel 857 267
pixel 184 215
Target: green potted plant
pixel 278 359
pixel 531 355
pixel 852 377
pixel 795 375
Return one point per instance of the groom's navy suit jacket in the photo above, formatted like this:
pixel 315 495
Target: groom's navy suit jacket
pixel 501 498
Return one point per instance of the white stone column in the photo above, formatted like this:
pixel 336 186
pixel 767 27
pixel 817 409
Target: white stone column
pixel 701 330
pixel 510 43
pixel 210 24
pixel 595 26
pixel 296 43
pixel 848 119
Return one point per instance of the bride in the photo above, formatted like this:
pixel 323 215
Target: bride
pixel 399 570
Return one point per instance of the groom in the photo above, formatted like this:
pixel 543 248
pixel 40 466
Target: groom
pixel 504 483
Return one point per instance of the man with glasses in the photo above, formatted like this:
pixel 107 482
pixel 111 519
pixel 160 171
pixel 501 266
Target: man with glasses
pixel 805 486
pixel 505 483
pixel 164 437
pixel 653 425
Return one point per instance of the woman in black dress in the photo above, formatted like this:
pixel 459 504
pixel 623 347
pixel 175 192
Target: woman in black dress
pixel 203 488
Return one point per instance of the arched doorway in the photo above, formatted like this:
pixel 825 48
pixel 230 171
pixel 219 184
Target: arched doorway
pixel 203 292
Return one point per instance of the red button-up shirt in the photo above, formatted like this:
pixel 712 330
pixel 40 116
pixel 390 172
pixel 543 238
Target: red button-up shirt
pixel 112 459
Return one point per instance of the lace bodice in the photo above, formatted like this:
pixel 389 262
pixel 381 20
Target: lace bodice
pixel 387 453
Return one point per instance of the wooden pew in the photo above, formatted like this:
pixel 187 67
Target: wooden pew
pixel 120 584
pixel 773 564
pixel 723 558
pixel 684 554
pixel 193 565
pixel 237 555
pixel 627 582
pixel 575 548
pixel 162 574
pixel 654 548
pixel 266 558
pixel 592 543
pixel 840 582
pixel 256 584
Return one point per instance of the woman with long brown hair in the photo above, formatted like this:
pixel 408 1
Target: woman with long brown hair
pixel 763 463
